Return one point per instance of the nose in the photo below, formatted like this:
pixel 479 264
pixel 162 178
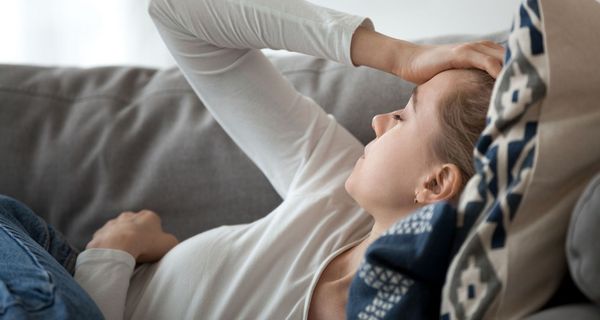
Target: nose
pixel 381 123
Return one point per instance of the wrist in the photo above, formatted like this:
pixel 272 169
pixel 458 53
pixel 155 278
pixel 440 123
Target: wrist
pixel 119 242
pixel 372 49
pixel 403 50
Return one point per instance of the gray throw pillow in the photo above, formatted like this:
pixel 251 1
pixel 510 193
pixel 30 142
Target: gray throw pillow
pixel 583 248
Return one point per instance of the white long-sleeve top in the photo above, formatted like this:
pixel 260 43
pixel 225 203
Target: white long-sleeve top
pixel 266 269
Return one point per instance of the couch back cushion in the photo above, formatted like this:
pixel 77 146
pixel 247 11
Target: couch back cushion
pixel 79 146
pixel 583 248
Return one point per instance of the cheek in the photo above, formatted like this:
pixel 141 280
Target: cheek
pixel 377 181
pixel 391 169
pixel 375 187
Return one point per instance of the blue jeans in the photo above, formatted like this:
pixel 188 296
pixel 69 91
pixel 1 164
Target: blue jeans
pixel 36 268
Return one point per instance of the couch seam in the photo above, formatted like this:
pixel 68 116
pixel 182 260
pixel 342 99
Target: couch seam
pixel 91 97
pixel 160 92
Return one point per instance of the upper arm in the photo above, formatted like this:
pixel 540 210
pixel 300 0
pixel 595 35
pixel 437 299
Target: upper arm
pixel 264 115
pixel 215 45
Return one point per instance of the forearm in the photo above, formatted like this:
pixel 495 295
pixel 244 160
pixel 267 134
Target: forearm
pixel 105 275
pixel 419 63
pixel 373 49
pixel 293 25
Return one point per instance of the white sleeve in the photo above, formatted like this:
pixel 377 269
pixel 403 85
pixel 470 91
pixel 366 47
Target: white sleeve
pixel 105 274
pixel 215 43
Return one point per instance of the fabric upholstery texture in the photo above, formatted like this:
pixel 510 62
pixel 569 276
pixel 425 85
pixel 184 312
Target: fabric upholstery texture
pixel 576 311
pixel 583 248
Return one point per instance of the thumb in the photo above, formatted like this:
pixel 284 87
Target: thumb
pixel 162 244
pixel 167 242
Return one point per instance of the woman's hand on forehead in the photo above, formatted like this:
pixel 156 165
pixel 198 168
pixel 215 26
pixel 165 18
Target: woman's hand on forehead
pixel 419 63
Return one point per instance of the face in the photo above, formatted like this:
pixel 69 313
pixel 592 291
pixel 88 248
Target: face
pixel 385 179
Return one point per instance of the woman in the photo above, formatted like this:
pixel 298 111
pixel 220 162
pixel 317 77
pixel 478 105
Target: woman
pixel 339 196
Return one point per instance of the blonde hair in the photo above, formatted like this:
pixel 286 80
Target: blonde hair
pixel 462 118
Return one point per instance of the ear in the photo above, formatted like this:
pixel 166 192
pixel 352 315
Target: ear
pixel 443 184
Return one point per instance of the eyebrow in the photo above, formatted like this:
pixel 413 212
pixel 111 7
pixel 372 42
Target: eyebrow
pixel 415 92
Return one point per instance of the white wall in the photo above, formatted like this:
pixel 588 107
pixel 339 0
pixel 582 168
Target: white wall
pixel 79 32
pixel 91 33
pixel 427 18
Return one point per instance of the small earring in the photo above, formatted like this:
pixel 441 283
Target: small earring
pixel 416 201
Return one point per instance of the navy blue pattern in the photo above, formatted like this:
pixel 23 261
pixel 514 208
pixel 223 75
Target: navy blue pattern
pixel 403 271
pixel 504 158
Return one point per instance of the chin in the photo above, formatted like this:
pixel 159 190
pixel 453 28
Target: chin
pixel 348 186
pixel 352 191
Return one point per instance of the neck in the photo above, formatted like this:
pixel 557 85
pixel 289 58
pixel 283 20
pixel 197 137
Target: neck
pixel 355 255
pixel 351 259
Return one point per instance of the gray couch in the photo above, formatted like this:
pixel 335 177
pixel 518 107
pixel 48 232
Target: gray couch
pixel 80 146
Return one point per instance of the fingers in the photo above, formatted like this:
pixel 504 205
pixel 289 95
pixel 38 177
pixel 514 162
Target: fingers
pixel 490 65
pixel 142 214
pixel 491 49
pixel 126 214
pixel 484 56
pixel 150 214
pixel 491 44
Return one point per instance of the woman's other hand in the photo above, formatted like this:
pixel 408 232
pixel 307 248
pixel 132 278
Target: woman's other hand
pixel 419 63
pixel 140 234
